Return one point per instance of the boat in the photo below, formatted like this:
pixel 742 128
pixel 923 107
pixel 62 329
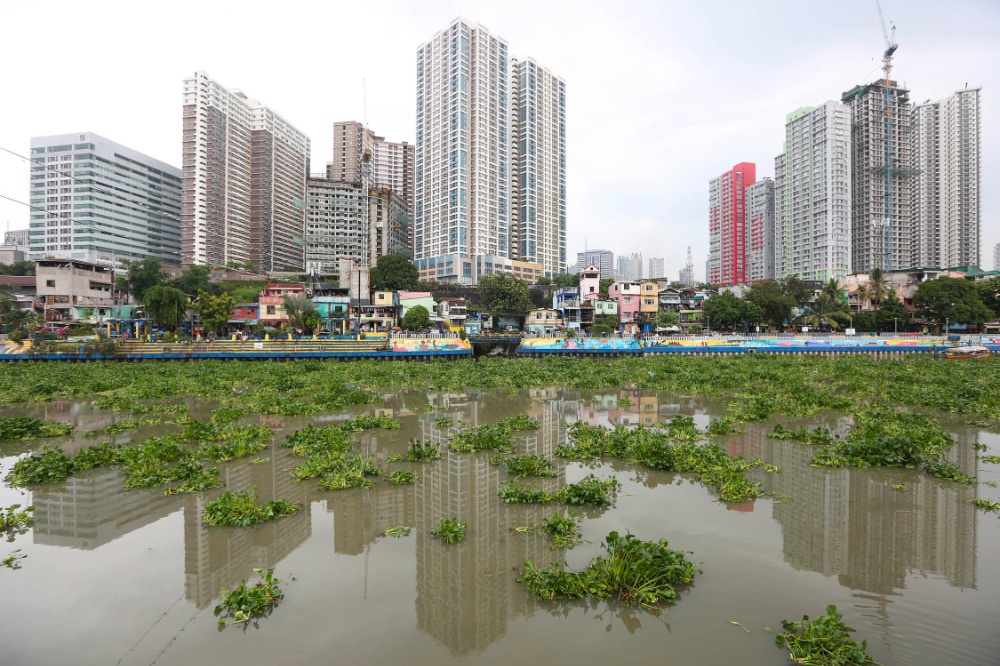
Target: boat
pixel 963 353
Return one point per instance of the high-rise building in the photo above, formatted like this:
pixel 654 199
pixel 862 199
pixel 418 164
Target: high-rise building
pixel 360 156
pixel 245 170
pixel 727 224
pixel 880 176
pixel 538 183
pixel 656 268
pixel 812 195
pixel 98 201
pixel 602 259
pixel 686 275
pixel 630 267
pixel 759 241
pixel 19 237
pixel 394 168
pixel 462 196
pixel 946 145
pixel 996 257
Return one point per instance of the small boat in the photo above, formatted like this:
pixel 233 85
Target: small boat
pixel 962 353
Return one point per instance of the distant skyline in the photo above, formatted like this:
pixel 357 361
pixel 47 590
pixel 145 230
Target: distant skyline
pixel 662 97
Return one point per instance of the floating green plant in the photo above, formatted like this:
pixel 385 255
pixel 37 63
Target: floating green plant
pixel 483 438
pixel 351 473
pixel 986 504
pixel 228 413
pixel 635 572
pixel 519 422
pixel 401 477
pixel 590 491
pixel 96 456
pixel 450 530
pixel 993 460
pixel 242 510
pixel 13 561
pixel 625 401
pixel 529 465
pixel 397 531
pixel 723 427
pixel 121 426
pixel 50 465
pixel 16 428
pixel 564 530
pixel 248 602
pixel 818 436
pixel 825 641
pixel 444 421
pixel 202 479
pixel 371 422
pixel 421 451
pixel 14 522
pixel 312 440
pixel 513 493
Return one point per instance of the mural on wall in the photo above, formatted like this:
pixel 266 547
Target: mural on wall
pixel 430 345
pixel 531 345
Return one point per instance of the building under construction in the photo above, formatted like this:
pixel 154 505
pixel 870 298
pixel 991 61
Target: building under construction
pixel 880 176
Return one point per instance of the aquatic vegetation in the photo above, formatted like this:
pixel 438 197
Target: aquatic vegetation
pixel 96 456
pixel 590 491
pixel 993 460
pixel 312 441
pixel 681 428
pixel 242 510
pixel 228 413
pixel 519 422
pixel 885 437
pixel 482 438
pixel 513 493
pixel 395 457
pixel 818 436
pixel 723 427
pixel 50 465
pixel 16 428
pixel 260 461
pixel 401 477
pixel 199 480
pixel 269 402
pixel 342 396
pixel 245 602
pixel 421 451
pixel 14 522
pixel 13 561
pixel 564 530
pixel 529 465
pixel 444 421
pixel 625 401
pixel 350 473
pixel 121 426
pixel 450 530
pixel 397 531
pixel 986 504
pixel 635 572
pixel 370 422
pixel 825 641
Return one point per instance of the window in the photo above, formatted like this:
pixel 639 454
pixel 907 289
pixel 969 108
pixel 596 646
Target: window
pixel 271 310
pixel 50 283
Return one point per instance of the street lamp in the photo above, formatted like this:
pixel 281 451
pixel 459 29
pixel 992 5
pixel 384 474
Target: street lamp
pixel 946 328
pixel 895 326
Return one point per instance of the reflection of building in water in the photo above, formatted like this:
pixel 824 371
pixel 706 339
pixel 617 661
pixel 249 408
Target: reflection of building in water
pixel 216 557
pixel 852 524
pixel 92 509
pixel 361 516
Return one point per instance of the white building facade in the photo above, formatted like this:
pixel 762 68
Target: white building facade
pixel 760 230
pixel 946 194
pixel 95 200
pixel 244 180
pixel 812 195
pixel 657 268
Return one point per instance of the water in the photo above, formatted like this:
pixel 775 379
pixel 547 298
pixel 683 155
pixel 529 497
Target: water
pixel 116 577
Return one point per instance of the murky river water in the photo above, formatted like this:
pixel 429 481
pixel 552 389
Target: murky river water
pixel 131 577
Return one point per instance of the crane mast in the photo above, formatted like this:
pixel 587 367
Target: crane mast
pixel 890 49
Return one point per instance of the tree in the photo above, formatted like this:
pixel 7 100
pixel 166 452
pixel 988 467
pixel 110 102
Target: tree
pixel 297 309
pixel 416 317
pixel 953 300
pixel 989 294
pixel 543 281
pixel 772 300
pixel 864 321
pixel 753 314
pixel 143 275
pixel 604 325
pixel 165 305
pixel 214 311
pixel 311 320
pixel 566 280
pixel 667 318
pixel 876 290
pixel 504 294
pixel 892 315
pixel 21 267
pixel 825 311
pixel 605 285
pixel 394 272
pixel 831 288
pixel 192 280
pixel 538 298
pixel 796 288
pixel 725 310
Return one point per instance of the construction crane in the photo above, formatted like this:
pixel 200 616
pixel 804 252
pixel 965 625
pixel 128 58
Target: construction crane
pixel 890 48
pixel 366 155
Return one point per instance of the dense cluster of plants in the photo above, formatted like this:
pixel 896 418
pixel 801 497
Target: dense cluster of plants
pixel 485 437
pixel 515 493
pixel 242 510
pixel 16 428
pixel 402 477
pixel 635 572
pixel 527 465
pixel 825 641
pixel 326 455
pixel 450 530
pixel 421 451
pixel 14 521
pixel 121 426
pixel 248 602
pixel 819 436
pixel 564 529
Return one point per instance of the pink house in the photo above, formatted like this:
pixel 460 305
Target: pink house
pixel 629 300
pixel 590 283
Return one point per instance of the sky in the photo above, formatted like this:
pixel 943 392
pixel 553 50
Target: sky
pixel 662 96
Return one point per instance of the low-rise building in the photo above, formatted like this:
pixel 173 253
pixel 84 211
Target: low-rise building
pixel 453 313
pixel 543 320
pixel 576 312
pixel 245 315
pixel 605 307
pixel 272 301
pixel 590 283
pixel 628 295
pixel 64 285
pixel 649 301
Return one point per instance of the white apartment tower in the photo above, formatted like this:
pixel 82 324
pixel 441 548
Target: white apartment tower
pixel 996 257
pixel 656 268
pixel 946 193
pixel 880 176
pixel 538 220
pixel 812 195
pixel 244 181
pixel 630 267
pixel 759 242
pixel 98 201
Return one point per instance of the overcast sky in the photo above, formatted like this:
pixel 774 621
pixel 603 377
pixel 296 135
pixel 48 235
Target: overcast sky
pixel 661 96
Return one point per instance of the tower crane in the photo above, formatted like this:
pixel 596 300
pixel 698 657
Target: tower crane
pixel 890 48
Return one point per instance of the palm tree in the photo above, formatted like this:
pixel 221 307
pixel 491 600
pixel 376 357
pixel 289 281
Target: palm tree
pixel 825 311
pixel 831 288
pixel 876 290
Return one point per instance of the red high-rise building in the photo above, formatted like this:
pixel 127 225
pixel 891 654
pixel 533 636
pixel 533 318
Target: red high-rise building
pixel 727 210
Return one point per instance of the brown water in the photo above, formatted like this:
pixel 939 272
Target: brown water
pixel 116 577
